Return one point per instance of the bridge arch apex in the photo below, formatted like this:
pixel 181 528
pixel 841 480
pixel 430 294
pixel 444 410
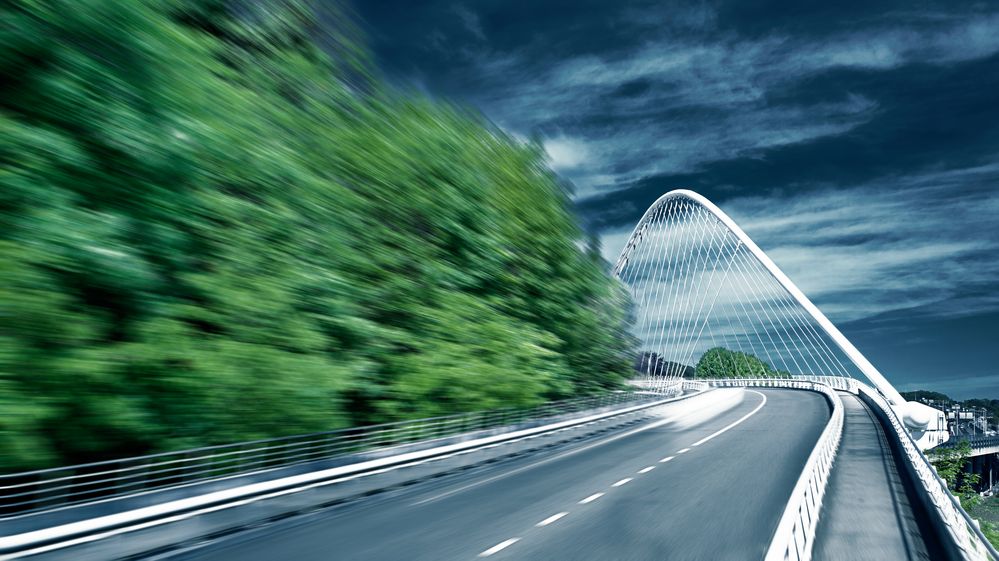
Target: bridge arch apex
pixel 913 417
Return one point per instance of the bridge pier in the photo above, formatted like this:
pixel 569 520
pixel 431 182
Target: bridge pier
pixel 987 467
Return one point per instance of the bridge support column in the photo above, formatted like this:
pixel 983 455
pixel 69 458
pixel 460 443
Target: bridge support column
pixel 987 467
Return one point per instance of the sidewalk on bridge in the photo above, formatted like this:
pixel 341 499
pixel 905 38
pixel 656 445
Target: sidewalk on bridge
pixel 866 513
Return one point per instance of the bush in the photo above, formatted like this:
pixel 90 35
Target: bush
pixel 212 229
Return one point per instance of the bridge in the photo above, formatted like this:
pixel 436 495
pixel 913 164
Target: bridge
pixel 756 430
pixel 980 445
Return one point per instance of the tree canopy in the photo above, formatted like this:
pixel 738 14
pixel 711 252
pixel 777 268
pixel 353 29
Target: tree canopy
pixel 217 224
pixel 719 362
pixel 926 395
pixel 952 464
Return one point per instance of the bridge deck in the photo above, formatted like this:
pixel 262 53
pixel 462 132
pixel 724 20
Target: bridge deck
pixel 867 513
pixel 612 498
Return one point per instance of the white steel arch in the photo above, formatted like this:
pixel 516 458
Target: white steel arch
pixel 914 414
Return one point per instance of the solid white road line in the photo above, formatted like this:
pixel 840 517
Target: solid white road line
pixel 666 459
pixel 684 451
pixel 591 498
pixel 499 547
pixel 647 470
pixel 622 482
pixel 551 519
pixel 734 424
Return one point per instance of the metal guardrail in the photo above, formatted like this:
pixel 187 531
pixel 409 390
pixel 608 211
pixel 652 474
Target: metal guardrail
pixel 974 442
pixel 963 529
pixel 795 532
pixel 694 385
pixel 792 540
pixel 194 510
pixel 795 535
pixel 965 532
pixel 49 489
pixel 835 382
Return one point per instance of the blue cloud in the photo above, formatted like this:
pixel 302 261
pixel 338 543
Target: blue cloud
pixel 858 142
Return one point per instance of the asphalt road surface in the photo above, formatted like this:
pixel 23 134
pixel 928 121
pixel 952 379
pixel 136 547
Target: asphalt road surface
pixel 679 487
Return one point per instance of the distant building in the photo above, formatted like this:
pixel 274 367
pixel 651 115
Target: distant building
pixel 651 364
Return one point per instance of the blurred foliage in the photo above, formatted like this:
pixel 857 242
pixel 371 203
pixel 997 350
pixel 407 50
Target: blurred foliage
pixel 216 224
pixel 720 362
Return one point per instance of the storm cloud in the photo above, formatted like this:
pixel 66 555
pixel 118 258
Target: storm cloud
pixel 856 142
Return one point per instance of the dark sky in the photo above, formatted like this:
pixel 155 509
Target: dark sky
pixel 857 142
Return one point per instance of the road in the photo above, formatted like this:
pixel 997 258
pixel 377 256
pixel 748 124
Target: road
pixel 659 490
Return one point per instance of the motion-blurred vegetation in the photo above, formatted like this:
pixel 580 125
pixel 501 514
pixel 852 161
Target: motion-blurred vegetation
pixel 217 224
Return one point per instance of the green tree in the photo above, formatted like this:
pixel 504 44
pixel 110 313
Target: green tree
pixel 216 224
pixel 952 465
pixel 921 395
pixel 719 362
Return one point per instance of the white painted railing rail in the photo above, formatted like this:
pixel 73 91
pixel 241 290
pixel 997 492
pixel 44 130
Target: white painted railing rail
pixel 962 528
pixel 795 534
pixel 694 385
pixel 81 532
pixel 65 487
pixel 796 531
pixel 792 540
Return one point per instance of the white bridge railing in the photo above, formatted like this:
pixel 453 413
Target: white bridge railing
pixel 796 530
pixel 962 528
pixel 146 527
pixel 694 385
pixel 792 541
pixel 63 487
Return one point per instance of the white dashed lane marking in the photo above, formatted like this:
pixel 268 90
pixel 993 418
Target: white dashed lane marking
pixel 551 519
pixel 499 547
pixel 555 517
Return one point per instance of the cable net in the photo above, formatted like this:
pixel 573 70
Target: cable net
pixel 707 307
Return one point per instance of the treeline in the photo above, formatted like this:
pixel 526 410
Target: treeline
pixel 719 362
pixel 926 395
pixel 216 224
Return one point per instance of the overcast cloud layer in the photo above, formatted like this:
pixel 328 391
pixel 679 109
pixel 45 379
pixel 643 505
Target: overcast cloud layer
pixel 856 142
